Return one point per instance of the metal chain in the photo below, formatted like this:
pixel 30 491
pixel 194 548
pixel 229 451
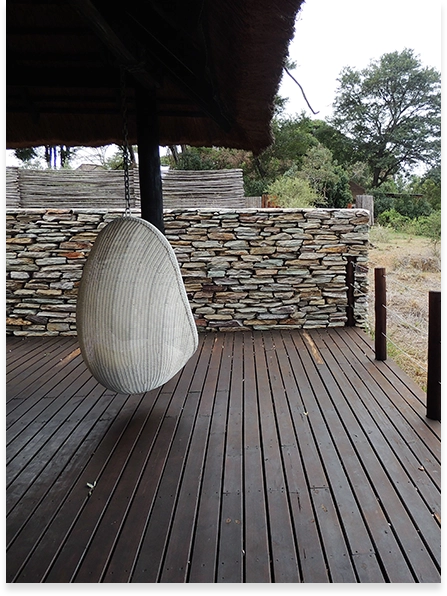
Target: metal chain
pixel 126 151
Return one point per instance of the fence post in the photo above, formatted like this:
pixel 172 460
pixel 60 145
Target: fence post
pixel 380 312
pixel 350 267
pixel 366 202
pixel 434 356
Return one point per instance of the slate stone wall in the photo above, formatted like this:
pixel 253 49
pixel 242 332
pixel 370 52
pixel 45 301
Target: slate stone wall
pixel 242 269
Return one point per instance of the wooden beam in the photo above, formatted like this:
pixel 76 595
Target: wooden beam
pixel 149 158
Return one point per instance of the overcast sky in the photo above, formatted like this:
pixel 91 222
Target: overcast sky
pixel 332 34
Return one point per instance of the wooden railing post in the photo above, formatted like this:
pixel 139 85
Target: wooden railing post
pixel 434 356
pixel 350 268
pixel 380 312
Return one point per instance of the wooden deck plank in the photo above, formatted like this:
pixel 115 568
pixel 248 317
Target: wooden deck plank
pixel 69 517
pixel 25 431
pixel 357 533
pixel 36 543
pixel 282 543
pixel 354 453
pixel 124 555
pixel 279 456
pixel 335 546
pixel 398 486
pixel 422 465
pixel 230 563
pixel 405 445
pixel 213 414
pixel 330 432
pixel 400 390
pixel 257 551
pixel 34 367
pixel 36 459
pixel 150 556
pixel 109 504
pixel 24 351
pixel 351 440
pixel 178 552
pixel 291 423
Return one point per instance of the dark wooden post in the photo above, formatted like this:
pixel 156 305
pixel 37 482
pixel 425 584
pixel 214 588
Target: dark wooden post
pixel 350 268
pixel 149 158
pixel 434 356
pixel 380 312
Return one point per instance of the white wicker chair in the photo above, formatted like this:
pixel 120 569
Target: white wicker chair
pixel 134 322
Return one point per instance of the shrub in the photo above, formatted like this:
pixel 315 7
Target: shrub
pixel 291 191
pixel 393 219
pixel 429 226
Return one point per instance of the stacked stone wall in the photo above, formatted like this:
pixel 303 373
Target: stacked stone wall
pixel 242 269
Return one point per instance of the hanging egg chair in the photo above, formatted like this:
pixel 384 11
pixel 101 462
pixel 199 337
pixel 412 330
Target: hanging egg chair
pixel 134 322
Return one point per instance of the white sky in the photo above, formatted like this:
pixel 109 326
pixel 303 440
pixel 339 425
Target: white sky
pixel 332 34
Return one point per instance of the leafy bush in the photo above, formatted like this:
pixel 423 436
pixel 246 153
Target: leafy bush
pixel 395 220
pixel 429 226
pixel 291 191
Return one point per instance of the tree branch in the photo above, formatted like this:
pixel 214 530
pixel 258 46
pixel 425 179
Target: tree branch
pixel 302 91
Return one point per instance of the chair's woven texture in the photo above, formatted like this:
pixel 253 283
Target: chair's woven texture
pixel 134 322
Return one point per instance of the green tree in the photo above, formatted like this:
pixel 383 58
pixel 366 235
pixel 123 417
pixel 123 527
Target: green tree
pixel 430 187
pixel 342 147
pixel 391 110
pixel 329 180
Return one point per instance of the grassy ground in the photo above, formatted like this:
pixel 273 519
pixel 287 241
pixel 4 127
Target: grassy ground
pixel 413 268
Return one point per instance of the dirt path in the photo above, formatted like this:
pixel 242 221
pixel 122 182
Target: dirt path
pixel 413 268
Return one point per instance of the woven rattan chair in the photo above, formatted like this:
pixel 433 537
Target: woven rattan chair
pixel 134 322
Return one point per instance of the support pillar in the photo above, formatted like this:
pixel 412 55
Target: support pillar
pixel 149 158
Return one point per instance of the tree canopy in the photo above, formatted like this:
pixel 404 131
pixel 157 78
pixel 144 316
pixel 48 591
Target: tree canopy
pixel 391 111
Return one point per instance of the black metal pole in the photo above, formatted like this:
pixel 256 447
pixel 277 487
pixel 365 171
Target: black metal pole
pixel 380 312
pixel 434 356
pixel 350 267
pixel 149 158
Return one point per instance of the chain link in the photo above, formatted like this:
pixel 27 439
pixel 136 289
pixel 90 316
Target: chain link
pixel 126 150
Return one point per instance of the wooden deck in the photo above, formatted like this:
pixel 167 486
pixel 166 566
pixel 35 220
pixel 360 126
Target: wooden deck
pixel 280 456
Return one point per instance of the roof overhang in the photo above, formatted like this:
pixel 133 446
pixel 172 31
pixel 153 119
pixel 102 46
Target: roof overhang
pixel 213 65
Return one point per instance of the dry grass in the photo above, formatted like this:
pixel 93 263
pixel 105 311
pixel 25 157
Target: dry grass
pixel 413 268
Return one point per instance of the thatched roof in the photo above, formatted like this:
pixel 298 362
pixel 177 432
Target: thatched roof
pixel 215 66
